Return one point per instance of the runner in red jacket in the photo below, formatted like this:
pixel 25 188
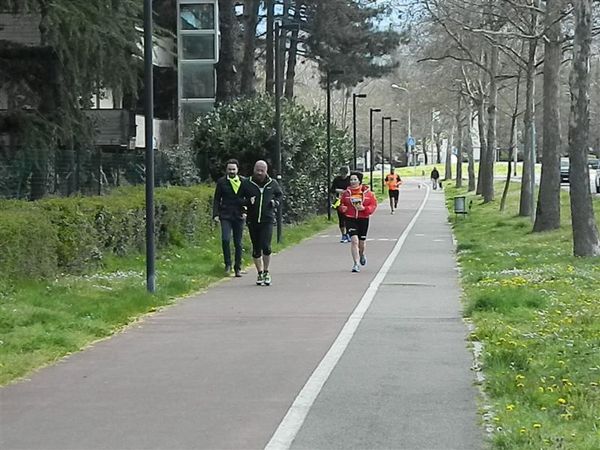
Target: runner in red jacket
pixel 357 205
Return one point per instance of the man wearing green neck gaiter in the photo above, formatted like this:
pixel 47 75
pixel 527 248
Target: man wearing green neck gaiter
pixel 227 209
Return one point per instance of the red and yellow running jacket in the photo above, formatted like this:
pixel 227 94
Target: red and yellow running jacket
pixel 352 197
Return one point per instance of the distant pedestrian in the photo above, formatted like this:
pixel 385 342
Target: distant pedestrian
pixel 357 205
pixel 262 196
pixel 339 185
pixel 227 209
pixel 435 176
pixel 393 182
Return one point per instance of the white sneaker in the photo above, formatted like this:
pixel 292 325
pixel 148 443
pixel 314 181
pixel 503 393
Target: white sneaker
pixel 355 268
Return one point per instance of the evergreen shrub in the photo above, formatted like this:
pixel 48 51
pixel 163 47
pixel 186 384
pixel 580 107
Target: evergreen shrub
pixel 71 235
pixel 244 129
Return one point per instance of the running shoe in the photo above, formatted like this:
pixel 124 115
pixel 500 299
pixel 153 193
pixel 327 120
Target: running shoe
pixel 267 279
pixel 355 268
pixel 260 279
pixel 363 260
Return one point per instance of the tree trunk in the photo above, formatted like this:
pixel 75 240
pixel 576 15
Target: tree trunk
pixel 48 107
pixel 291 65
pixel 513 141
pixel 527 200
pixel 488 173
pixel 269 61
pixel 482 141
pixel 448 167
pixel 225 68
pixel 459 139
pixel 547 215
pixel 471 163
pixel 250 23
pixel 438 147
pixel 586 240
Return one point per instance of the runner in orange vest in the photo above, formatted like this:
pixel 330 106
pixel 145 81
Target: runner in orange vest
pixel 393 183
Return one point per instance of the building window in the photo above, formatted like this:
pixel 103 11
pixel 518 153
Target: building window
pixel 197 17
pixel 198 80
pixel 198 46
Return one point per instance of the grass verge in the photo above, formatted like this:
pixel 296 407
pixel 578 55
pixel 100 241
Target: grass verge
pixel 42 321
pixel 536 309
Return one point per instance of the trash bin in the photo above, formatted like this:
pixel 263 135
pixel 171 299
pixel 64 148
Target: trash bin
pixel 460 204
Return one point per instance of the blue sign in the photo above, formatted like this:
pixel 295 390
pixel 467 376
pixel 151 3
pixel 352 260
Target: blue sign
pixel 410 141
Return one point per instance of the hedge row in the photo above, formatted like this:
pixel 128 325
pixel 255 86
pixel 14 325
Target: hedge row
pixel 70 235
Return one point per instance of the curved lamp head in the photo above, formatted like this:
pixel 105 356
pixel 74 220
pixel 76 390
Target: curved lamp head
pixel 395 86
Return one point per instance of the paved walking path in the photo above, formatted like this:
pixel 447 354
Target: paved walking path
pixel 323 359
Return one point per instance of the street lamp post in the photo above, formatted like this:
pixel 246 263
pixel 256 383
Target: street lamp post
pixel 149 135
pixel 354 97
pixel 371 111
pixel 400 88
pixel 383 119
pixel 391 122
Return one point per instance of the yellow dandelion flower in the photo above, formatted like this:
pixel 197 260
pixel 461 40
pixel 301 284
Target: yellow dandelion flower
pixel 522 430
pixel 510 407
pixel 537 425
pixel 562 401
pixel 541 389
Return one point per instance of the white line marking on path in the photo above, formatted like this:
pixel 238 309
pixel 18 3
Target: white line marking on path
pixel 285 434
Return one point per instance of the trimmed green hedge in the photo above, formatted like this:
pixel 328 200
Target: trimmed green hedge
pixel 42 239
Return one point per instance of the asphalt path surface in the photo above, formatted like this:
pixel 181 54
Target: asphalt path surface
pixel 244 367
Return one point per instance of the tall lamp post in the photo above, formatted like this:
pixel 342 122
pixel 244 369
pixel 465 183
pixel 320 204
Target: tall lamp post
pixel 409 137
pixel 391 122
pixel 383 119
pixel 354 97
pixel 278 93
pixel 329 73
pixel 371 111
pixel 149 136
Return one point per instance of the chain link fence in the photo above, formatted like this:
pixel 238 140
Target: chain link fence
pixel 31 174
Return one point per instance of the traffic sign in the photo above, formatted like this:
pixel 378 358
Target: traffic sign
pixel 410 141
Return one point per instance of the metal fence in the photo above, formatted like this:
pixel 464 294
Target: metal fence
pixel 36 173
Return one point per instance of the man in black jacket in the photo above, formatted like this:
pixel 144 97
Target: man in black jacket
pixel 262 196
pixel 227 209
pixel 339 185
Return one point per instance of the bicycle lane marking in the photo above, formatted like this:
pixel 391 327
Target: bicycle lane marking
pixel 289 427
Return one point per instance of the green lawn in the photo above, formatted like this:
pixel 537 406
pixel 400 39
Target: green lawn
pixel 536 309
pixel 41 321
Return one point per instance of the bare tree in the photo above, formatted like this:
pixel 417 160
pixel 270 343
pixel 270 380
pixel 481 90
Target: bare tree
pixel 487 190
pixel 547 215
pixel 293 53
pixel 586 240
pixel 459 134
pixel 250 23
pixel 469 146
pixel 513 142
pixel 226 75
